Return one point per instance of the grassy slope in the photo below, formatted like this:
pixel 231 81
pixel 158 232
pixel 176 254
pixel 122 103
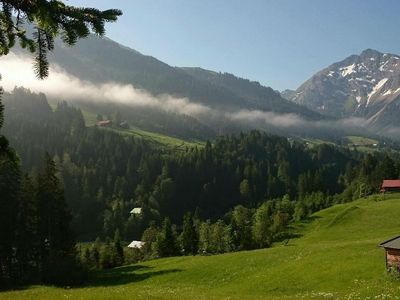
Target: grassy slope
pixel 153 137
pixel 335 258
pixel 361 141
pixel 158 138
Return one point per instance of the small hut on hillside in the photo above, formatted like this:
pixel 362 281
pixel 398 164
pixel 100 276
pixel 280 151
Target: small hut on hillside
pixel 136 211
pixel 104 123
pixel 136 244
pixel 392 253
pixel 390 186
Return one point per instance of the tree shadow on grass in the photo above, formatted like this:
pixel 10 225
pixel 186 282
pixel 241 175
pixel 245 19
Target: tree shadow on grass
pixel 13 287
pixel 111 277
pixel 125 275
pixel 286 237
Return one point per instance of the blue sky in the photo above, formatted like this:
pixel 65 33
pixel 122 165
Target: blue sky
pixel 279 43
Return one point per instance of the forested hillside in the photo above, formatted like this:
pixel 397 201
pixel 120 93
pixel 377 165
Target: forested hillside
pixel 106 60
pixel 257 95
pixel 106 174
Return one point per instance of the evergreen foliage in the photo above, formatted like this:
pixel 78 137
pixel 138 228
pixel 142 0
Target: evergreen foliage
pixel 189 236
pixel 50 19
pixel 166 243
pixel 245 190
pixel 36 240
pixel 105 175
pixel 37 243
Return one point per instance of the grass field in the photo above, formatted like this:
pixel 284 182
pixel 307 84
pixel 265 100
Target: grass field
pixel 363 144
pixel 336 257
pixel 152 137
pixel 361 141
pixel 160 139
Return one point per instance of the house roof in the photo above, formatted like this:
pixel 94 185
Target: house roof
pixel 105 122
pixel 136 244
pixel 393 243
pixel 391 184
pixel 136 211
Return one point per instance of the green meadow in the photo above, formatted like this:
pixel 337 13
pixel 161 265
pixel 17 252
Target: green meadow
pixel 335 256
pixel 158 138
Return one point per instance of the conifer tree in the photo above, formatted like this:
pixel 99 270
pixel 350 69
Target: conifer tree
pixel 27 241
pixel 53 217
pixel 50 19
pixel 118 248
pixel 190 239
pixel 9 191
pixel 166 244
pixel 36 24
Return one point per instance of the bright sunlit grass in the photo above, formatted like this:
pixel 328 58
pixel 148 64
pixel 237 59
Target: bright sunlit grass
pixel 336 257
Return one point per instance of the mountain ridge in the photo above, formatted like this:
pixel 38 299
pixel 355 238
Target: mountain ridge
pixel 106 60
pixel 365 85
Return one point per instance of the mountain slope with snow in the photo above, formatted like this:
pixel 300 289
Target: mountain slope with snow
pixel 365 85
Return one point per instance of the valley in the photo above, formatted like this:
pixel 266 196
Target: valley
pixel 199 150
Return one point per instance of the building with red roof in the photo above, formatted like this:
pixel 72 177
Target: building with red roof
pixel 104 123
pixel 390 186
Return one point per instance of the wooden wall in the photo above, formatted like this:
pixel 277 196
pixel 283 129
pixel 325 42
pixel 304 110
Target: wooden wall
pixel 393 258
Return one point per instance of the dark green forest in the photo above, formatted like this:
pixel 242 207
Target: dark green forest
pixel 237 192
pixel 37 244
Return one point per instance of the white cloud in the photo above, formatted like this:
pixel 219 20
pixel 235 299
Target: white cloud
pixel 282 120
pixel 17 71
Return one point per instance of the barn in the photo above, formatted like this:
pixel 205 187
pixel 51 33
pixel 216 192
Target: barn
pixel 392 253
pixel 390 186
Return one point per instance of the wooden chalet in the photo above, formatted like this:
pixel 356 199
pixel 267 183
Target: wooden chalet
pixel 390 186
pixel 392 253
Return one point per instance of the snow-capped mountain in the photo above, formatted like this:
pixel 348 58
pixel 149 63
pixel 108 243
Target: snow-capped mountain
pixel 365 85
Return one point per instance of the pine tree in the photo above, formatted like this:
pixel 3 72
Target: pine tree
pixel 52 18
pixel 189 237
pixel 57 241
pixel 118 248
pixel 9 191
pixel 27 243
pixel 166 244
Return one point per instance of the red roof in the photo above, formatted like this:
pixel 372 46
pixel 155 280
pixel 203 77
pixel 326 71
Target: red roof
pixel 105 122
pixel 391 184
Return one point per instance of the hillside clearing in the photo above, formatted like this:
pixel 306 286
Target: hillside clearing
pixel 149 136
pixel 336 257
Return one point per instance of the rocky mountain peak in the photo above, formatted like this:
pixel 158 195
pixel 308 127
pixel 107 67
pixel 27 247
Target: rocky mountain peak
pixel 361 85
